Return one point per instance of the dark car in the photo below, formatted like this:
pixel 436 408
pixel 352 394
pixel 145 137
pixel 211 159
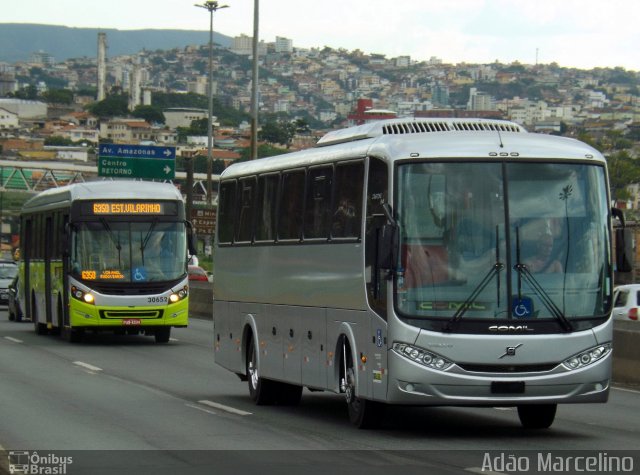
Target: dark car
pixel 15 312
pixel 8 271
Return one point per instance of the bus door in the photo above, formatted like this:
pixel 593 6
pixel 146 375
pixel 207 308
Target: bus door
pixel 48 245
pixel 64 246
pixel 27 248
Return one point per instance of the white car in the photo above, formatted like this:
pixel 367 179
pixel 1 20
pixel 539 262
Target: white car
pixel 626 301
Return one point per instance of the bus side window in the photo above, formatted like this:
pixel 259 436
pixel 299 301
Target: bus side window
pixel 266 209
pixel 318 203
pixel 291 205
pixel 347 212
pixel 226 211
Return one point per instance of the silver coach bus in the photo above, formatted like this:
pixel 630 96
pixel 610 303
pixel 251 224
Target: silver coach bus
pixel 419 262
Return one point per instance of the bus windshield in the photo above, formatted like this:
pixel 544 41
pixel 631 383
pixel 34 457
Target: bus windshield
pixel 503 241
pixel 123 252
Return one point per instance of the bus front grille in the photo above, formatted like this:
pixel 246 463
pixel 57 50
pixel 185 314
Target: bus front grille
pixel 531 368
pixel 146 314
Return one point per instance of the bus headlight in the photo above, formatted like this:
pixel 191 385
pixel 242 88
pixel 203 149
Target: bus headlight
pixel 422 356
pixel 179 295
pixel 587 357
pixel 81 295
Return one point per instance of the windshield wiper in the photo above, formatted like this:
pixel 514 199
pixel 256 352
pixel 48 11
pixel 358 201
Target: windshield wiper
pixel 116 243
pixel 493 272
pixel 523 271
pixel 143 245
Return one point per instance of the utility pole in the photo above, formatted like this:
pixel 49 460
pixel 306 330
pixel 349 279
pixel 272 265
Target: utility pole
pixel 211 6
pixel 254 82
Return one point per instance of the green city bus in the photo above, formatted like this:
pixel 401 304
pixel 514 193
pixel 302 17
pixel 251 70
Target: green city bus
pixel 107 255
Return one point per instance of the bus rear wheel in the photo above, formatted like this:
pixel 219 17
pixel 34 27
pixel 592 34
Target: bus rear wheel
pixel 262 391
pixel 537 416
pixel 39 328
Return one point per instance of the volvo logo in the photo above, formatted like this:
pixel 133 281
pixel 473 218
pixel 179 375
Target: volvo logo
pixel 510 328
pixel 511 350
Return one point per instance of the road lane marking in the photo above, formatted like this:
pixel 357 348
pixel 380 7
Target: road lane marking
pixel 87 366
pixel 222 407
pixel 10 338
pixel 626 390
pixel 193 406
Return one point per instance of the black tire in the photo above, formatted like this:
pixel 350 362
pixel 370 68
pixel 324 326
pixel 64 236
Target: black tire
pixel 363 413
pixel 39 328
pixel 72 335
pixel 262 391
pixel 18 313
pixel 12 316
pixel 163 334
pixel 537 416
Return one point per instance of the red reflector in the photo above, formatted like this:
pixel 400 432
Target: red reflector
pixel 633 313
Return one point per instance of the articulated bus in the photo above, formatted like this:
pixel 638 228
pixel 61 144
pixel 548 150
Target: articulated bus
pixel 108 255
pixel 419 262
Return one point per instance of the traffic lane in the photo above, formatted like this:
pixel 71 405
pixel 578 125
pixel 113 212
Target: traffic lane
pixel 315 422
pixel 54 402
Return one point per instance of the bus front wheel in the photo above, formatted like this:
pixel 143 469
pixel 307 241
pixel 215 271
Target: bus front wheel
pixel 537 416
pixel 262 391
pixel 162 335
pixel 363 413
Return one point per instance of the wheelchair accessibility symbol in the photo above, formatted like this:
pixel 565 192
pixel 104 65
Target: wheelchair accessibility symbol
pixel 522 307
pixel 139 274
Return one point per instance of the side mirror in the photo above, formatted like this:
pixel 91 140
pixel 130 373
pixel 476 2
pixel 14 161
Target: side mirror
pixel 387 252
pixel 191 239
pixel 624 250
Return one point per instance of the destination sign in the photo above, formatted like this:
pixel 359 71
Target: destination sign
pixel 128 208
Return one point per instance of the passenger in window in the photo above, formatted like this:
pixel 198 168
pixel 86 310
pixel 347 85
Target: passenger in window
pixel 344 219
pixel 539 248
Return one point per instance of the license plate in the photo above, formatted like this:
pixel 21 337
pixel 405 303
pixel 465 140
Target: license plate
pixel 507 387
pixel 127 322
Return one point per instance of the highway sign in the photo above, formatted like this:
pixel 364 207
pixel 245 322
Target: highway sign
pixel 136 161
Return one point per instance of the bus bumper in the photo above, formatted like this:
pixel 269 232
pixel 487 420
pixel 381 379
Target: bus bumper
pixel 88 316
pixel 414 384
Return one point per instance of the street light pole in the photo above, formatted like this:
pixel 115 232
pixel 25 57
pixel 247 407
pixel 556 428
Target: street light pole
pixel 211 6
pixel 254 83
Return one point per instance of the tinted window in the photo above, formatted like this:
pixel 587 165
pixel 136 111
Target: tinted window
pixel 318 203
pixel 246 205
pixel 291 205
pixel 347 210
pixel 225 209
pixel 266 207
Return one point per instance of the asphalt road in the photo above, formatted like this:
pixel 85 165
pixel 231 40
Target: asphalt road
pixel 123 404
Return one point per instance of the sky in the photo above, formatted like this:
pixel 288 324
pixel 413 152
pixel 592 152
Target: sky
pixel 573 33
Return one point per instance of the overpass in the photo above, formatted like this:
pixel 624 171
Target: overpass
pixel 35 176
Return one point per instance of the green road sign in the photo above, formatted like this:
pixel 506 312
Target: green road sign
pixel 137 161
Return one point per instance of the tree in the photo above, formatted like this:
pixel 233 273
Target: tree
pixel 113 105
pixel 282 131
pixel 58 96
pixel 151 114
pixel 623 171
pixel 58 141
